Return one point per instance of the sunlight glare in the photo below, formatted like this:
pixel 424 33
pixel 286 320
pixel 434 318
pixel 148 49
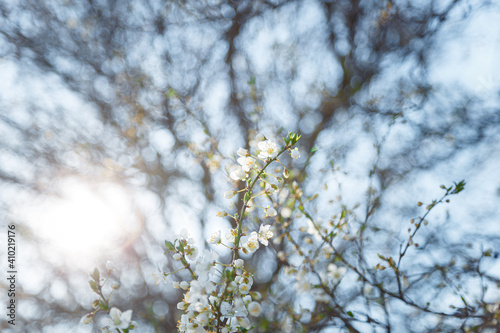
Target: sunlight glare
pixel 86 222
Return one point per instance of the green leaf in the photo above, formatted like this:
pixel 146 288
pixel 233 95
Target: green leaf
pixel 103 305
pixel 93 286
pixel 169 245
pixel 171 93
pixel 95 275
pixel 287 139
pixel 349 313
pixel 229 274
pixel 458 187
pixel 295 138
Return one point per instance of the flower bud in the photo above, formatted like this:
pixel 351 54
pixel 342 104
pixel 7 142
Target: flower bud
pixel 229 194
pixel 270 212
pixel 110 266
pixel 244 322
pixel 182 306
pixel 286 173
pixel 256 295
pixel 254 309
pixel 242 152
pixel 238 263
pixel 87 319
pixel 244 288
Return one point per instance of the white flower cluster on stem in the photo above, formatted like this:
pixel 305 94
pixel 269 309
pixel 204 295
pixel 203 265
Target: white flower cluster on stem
pixel 219 297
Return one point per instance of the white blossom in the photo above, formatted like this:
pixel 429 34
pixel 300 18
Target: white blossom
pixel 286 212
pixel 367 289
pixel 254 308
pixel 214 237
pixel 231 235
pixel 244 288
pixel 336 272
pixel 229 194
pixel 252 243
pixel 202 319
pixel 312 230
pixel 238 263
pixel 110 266
pixel 246 163
pixel 192 252
pixel 270 212
pixel 244 322
pixel 205 265
pixel 268 149
pixel 295 154
pixel 118 319
pixel 242 152
pixel 225 308
pixel 238 174
pixel 264 234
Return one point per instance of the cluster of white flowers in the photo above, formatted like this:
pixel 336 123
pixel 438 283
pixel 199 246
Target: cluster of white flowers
pixel 221 299
pixel 211 299
pixel 267 150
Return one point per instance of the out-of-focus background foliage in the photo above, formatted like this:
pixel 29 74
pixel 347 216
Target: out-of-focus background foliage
pixel 113 115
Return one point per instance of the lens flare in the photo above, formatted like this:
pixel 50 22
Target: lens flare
pixel 85 222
